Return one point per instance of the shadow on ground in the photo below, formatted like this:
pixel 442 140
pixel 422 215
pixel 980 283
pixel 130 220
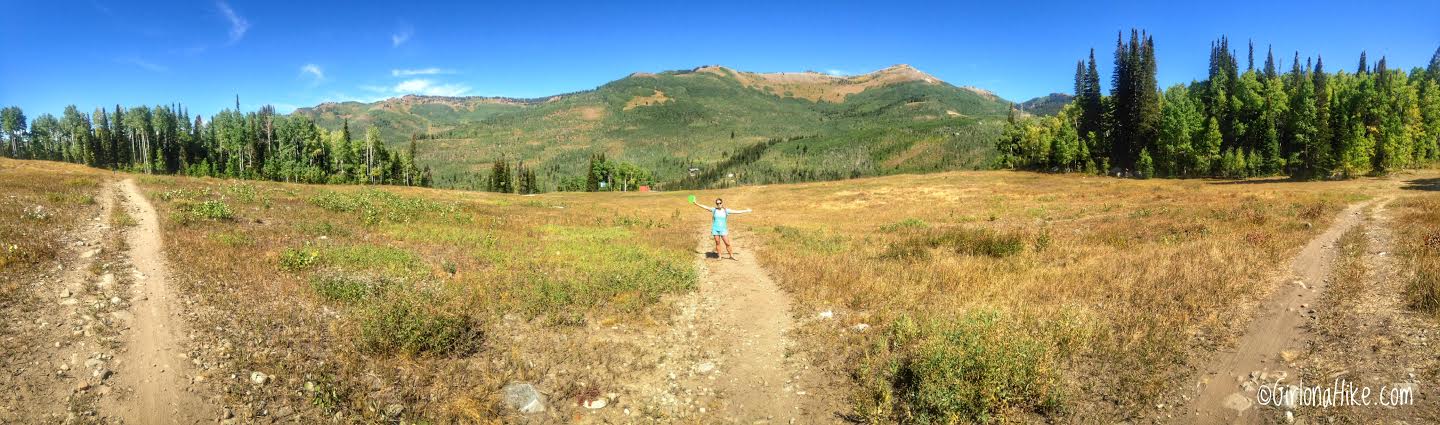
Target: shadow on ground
pixel 1267 180
pixel 1430 184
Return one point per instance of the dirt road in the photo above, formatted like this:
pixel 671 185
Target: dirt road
pixel 1230 383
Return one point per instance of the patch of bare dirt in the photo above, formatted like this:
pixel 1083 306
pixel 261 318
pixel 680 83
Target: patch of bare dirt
pixel 817 87
pixel 656 98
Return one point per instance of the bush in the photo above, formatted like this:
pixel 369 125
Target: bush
pixel 979 368
pixel 415 324
pixel 210 210
pixel 292 259
pixel 347 288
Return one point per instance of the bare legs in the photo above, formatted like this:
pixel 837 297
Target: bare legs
pixel 725 239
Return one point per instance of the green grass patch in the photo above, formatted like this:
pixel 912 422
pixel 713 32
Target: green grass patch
pixel 389 260
pixel 416 324
pixel 233 239
pixel 595 267
pixel 297 259
pixel 385 260
pixel 982 367
pixel 348 288
pixel 374 206
pixel 209 210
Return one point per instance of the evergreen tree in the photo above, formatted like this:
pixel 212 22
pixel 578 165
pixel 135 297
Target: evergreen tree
pixel 1433 71
pixel 1324 139
pixel 1300 124
pixel 1092 107
pixel 1270 71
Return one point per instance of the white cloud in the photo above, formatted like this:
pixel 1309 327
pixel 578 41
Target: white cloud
pixel 238 24
pixel 401 35
pixel 149 66
pixel 837 72
pixel 423 71
pixel 430 88
pixel 313 70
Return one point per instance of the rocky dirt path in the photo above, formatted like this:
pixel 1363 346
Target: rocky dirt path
pixel 726 356
pixel 1229 384
pixel 153 368
pixel 1368 336
pixel 758 380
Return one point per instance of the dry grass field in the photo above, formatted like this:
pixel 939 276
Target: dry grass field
pixel 939 298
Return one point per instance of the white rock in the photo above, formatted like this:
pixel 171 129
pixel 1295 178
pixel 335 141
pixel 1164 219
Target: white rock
pixel 597 403
pixel 705 367
pixel 259 378
pixel 860 327
pixel 827 314
pixel 524 398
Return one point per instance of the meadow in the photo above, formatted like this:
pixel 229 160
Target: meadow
pixel 985 296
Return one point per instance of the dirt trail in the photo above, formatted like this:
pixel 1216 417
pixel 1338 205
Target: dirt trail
pixel 1371 337
pixel 154 365
pixel 1229 383
pixel 754 315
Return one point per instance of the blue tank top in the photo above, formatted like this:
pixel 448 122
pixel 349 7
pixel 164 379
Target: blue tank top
pixel 719 219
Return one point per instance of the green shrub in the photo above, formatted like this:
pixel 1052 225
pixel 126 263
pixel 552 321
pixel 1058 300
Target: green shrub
pixel 979 368
pixel 416 324
pixel 210 210
pixel 244 192
pixel 347 288
pixel 292 259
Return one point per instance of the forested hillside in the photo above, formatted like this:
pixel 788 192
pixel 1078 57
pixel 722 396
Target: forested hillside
pixel 1306 123
pixel 731 127
pixel 166 139
pixel 709 126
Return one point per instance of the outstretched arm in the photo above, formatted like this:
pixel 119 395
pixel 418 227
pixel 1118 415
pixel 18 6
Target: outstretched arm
pixel 739 211
pixel 702 206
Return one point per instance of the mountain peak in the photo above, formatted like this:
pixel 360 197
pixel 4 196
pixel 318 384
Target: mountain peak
pixel 817 86
pixel 900 73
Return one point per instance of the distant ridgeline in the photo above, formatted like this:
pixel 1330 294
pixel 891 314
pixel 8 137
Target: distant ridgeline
pixel 709 126
pixel 1306 123
pixel 705 127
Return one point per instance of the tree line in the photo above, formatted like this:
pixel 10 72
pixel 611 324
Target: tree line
pixel 1306 123
pixel 250 145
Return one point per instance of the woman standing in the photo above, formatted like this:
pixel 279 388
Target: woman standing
pixel 718 214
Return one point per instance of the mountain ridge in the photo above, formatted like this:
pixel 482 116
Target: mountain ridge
pixel 788 126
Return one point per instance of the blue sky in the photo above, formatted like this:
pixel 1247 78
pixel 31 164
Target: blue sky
pixel 297 53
